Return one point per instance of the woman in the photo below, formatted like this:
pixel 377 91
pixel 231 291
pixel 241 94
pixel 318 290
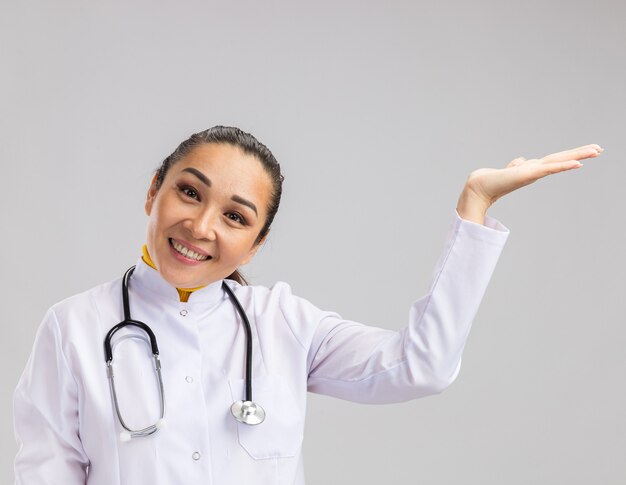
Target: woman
pixel 210 207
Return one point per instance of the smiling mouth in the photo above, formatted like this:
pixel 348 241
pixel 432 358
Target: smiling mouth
pixel 188 253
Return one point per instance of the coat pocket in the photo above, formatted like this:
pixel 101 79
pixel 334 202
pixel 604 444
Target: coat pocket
pixel 280 435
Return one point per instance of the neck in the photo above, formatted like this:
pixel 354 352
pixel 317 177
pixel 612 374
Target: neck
pixel 182 292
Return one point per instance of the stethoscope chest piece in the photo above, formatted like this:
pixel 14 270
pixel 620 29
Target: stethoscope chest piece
pixel 248 412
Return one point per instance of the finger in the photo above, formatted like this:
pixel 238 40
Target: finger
pixel 557 167
pixel 516 162
pixel 580 153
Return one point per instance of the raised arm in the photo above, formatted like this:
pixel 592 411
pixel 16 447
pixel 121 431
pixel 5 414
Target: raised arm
pixel 366 364
pixel 373 365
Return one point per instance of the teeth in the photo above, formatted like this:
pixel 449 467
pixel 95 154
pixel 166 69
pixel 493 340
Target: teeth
pixel 188 253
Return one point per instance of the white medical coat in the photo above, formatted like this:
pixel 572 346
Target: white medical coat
pixel 65 422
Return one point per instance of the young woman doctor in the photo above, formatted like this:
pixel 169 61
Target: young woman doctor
pixel 210 206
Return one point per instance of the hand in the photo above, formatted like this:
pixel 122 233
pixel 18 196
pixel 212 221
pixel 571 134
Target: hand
pixel 486 185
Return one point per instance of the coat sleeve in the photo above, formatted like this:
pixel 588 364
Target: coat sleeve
pixel 45 410
pixel 373 365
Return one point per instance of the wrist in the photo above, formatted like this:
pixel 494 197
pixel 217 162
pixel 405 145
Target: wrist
pixel 471 207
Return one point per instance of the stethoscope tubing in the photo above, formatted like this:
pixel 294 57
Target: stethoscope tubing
pixel 248 330
pixel 108 352
pixel 245 411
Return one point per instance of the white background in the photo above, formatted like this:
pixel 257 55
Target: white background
pixel 378 112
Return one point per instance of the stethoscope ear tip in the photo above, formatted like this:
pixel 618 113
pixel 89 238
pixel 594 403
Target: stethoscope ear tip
pixel 161 423
pixel 125 436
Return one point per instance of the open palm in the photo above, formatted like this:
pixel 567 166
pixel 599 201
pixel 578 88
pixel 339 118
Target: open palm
pixel 489 184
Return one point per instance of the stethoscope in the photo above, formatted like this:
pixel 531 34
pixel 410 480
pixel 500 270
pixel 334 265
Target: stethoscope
pixel 245 411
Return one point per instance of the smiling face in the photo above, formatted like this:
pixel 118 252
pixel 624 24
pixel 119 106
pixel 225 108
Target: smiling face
pixel 212 202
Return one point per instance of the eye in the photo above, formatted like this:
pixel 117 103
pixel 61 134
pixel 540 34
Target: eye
pixel 189 192
pixel 235 217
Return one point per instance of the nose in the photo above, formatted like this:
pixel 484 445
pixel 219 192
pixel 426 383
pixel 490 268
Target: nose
pixel 204 225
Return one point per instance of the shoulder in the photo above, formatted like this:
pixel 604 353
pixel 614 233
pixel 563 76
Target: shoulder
pixel 75 319
pixel 277 295
pixel 279 299
pixel 276 309
pixel 85 304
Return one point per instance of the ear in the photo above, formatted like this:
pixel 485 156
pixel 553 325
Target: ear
pixel 152 191
pixel 254 249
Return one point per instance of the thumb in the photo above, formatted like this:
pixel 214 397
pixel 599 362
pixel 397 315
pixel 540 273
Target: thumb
pixel 516 162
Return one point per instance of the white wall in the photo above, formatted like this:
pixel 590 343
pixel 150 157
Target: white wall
pixel 377 111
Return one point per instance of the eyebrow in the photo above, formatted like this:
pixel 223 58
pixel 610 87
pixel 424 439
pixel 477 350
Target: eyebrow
pixel 203 178
pixel 206 181
pixel 245 202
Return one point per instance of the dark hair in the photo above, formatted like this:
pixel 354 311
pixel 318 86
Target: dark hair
pixel 250 146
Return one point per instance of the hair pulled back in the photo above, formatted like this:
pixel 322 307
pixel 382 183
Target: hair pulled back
pixel 233 136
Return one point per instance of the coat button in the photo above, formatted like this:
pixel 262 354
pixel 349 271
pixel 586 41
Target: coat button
pixel 183 313
pixel 189 379
pixel 196 456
